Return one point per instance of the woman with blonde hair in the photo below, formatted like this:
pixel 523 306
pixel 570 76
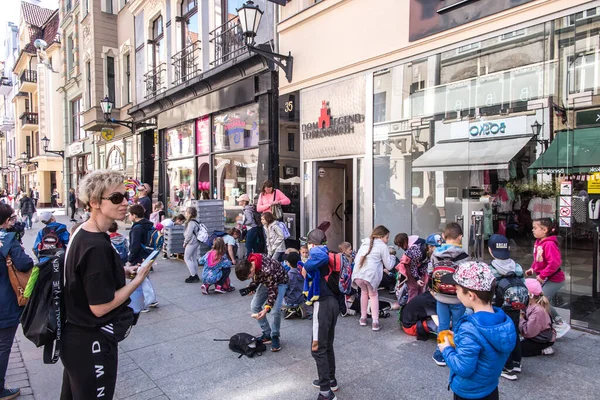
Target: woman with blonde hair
pixel 96 295
pixel 372 257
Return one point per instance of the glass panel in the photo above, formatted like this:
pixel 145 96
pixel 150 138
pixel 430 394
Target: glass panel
pixel 234 175
pixel 204 192
pixel 308 200
pixel 236 129
pixel 180 185
pixel 179 141
pixel 191 30
pixel 360 202
pixel 203 135
pixel 115 159
pixel 102 156
pixel 128 153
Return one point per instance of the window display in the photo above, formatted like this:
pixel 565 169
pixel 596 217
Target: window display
pixel 179 141
pixel 236 129
pixel 180 185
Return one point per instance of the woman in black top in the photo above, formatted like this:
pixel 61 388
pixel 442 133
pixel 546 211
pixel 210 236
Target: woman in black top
pixel 96 294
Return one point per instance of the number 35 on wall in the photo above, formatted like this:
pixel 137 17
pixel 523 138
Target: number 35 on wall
pixel 289 106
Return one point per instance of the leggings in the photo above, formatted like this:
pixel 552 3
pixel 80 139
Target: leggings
pixel 223 280
pixel 73 210
pixel 550 289
pixel 367 292
pixel 190 256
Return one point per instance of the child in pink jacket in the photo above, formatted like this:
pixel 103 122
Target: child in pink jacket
pixel 546 266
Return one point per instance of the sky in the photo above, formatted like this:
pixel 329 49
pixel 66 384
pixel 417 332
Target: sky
pixel 10 13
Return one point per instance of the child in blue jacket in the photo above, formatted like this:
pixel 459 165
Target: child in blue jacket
pixel 483 340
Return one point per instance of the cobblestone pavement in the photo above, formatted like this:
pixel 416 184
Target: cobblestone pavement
pixel 171 354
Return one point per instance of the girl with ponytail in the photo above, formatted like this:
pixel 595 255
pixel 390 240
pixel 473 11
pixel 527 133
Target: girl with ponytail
pixel 535 324
pixel 372 257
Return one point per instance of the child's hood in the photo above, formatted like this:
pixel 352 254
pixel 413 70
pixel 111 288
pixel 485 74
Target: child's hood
pixel 117 239
pixel 448 251
pixel 547 240
pixel 497 328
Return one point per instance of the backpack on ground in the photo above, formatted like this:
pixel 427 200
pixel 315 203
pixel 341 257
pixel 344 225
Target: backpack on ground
pixel 512 292
pixel 245 344
pixel 43 317
pixel 284 229
pixel 202 234
pixel 51 241
pixel 211 238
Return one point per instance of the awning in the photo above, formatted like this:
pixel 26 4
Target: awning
pixel 574 151
pixel 473 155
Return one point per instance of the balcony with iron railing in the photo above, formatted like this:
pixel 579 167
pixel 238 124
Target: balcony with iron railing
pixel 228 42
pixel 29 121
pixel 185 63
pixel 156 80
pixel 28 81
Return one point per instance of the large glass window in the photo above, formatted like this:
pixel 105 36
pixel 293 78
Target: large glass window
pixel 189 14
pixel 180 141
pixel 179 185
pixel 110 77
pixel 77 132
pixel 158 42
pixel 236 129
pixel 234 174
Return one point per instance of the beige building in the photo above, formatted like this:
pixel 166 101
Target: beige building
pixel 36 102
pixel 435 112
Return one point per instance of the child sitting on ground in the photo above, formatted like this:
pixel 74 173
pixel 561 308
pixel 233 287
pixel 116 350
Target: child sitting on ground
pixel 217 268
pixel 482 340
pixel 535 324
pixel 294 299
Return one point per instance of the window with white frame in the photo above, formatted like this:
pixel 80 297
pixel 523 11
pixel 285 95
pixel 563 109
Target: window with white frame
pixel 575 18
pixel 70 55
pixel 110 78
pixel 582 73
pixel 158 41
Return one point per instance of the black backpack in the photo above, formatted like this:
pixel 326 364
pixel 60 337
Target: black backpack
pixel 256 215
pixel 245 344
pixel 43 317
pixel 511 293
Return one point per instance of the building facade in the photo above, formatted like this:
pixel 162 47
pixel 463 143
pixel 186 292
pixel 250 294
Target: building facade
pixel 480 114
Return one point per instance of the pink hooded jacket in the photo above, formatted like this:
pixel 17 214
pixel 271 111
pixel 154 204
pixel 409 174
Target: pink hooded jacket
pixel 547 260
pixel 266 200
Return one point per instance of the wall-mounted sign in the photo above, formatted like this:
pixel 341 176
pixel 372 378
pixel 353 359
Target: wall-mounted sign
pixel 108 134
pixel 487 129
pixel 76 148
pixel 330 125
pixel 332 119
pixel 587 118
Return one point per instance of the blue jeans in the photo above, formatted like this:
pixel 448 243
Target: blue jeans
pixel 7 336
pixel 252 241
pixel 447 312
pixel 260 298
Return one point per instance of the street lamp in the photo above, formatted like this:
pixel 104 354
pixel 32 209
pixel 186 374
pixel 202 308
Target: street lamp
pixel 46 142
pixel 107 105
pixel 249 15
pixel 24 160
pixel 536 129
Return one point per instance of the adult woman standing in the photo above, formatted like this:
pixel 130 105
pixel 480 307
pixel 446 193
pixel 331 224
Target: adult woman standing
pixel 273 236
pixel 191 244
pixel 11 312
pixel 27 210
pixel 73 204
pixel 371 258
pixel 270 197
pixel 95 294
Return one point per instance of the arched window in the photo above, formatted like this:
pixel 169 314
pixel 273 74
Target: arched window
pixel 158 37
pixel 115 160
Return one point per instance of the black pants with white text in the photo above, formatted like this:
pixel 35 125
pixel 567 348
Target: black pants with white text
pixel 90 359
pixel 325 314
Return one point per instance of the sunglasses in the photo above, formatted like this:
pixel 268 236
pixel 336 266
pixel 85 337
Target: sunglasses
pixel 117 197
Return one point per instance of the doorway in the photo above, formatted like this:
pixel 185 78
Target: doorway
pixel 333 200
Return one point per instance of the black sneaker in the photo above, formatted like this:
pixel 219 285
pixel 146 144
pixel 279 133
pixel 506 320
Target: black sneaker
pixel 192 279
pixel 9 394
pixel 517 367
pixel 332 385
pixel 330 396
pixel 509 374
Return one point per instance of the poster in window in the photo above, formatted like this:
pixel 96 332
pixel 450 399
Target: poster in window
pixel 203 135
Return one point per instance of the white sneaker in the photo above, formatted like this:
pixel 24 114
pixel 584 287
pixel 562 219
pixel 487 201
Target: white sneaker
pixel 561 329
pixel 548 351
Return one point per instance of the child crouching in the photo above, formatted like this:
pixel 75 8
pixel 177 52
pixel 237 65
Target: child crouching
pixel 217 268
pixel 483 339
pixel 535 324
pixel 294 299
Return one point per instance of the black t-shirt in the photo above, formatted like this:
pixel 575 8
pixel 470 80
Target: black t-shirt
pixel 93 273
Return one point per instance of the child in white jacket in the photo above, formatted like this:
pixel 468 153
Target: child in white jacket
pixel 371 258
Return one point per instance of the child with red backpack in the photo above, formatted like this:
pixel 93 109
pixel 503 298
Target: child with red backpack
pixel 444 261
pixel 52 237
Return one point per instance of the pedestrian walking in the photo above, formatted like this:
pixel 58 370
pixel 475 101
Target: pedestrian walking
pixel 54 196
pixel 72 203
pixel 27 210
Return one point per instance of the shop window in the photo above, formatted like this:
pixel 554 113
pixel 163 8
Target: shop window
pixel 203 135
pixel 234 175
pixel 379 107
pixel 179 185
pixel 236 129
pixel 291 141
pixel 179 141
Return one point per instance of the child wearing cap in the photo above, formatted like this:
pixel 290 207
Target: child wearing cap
pixel 414 262
pixel 535 324
pixel 60 230
pixel 483 340
pixel 505 270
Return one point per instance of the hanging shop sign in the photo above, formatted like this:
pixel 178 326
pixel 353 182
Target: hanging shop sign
pixel 108 134
pixel 593 184
pixel 76 148
pixel 332 119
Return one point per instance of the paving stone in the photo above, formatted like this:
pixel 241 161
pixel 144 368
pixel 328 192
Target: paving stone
pixel 15 371
pixel 17 377
pixel 153 393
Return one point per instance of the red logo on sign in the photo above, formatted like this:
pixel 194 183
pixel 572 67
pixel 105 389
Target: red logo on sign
pixel 325 117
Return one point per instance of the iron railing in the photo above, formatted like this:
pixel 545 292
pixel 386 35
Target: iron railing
pixel 29 118
pixel 29 76
pixel 185 63
pixel 228 41
pixel 156 80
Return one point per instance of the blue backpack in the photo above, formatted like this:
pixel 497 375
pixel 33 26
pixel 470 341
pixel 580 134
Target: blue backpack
pixel 155 242
pixel 211 239
pixel 122 250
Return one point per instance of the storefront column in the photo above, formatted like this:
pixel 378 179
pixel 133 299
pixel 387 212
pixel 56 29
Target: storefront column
pixel 268 145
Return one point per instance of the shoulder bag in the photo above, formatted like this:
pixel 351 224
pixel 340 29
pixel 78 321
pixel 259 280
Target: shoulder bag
pixel 276 209
pixel 18 281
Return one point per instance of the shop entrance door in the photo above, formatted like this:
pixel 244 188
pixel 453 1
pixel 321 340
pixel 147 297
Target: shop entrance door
pixel 333 208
